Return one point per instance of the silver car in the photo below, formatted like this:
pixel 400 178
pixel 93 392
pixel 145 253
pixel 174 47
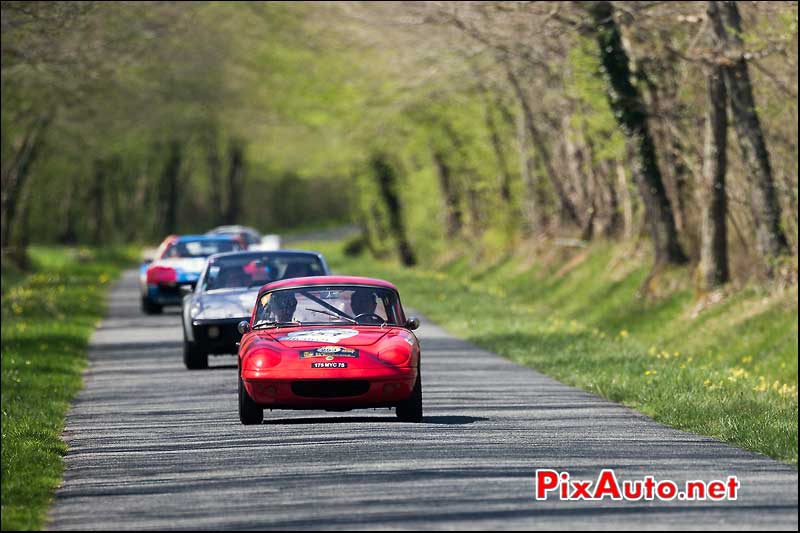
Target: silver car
pixel 226 293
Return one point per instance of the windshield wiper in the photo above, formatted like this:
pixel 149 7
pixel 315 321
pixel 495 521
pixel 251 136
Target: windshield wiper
pixel 334 315
pixel 275 324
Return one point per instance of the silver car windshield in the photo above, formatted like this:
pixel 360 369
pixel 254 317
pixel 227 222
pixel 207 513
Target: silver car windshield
pixel 257 270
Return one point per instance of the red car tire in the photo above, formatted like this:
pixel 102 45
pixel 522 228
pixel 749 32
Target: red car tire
pixel 410 410
pixel 249 411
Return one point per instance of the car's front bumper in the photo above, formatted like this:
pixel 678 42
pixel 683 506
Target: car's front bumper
pixel 217 336
pixel 357 388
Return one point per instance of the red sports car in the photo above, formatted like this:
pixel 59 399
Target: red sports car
pixel 329 342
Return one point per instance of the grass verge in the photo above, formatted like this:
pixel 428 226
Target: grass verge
pixel 726 368
pixel 47 317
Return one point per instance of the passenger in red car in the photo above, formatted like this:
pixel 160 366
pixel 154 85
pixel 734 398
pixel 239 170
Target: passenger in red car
pixel 362 302
pixel 283 306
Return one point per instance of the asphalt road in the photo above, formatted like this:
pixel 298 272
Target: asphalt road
pixel 154 446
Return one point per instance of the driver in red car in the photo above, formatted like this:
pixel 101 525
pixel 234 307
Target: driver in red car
pixel 283 306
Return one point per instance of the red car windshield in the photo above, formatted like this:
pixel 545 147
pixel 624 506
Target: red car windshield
pixel 328 305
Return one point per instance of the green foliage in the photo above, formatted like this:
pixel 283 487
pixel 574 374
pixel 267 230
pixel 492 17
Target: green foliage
pixel 160 73
pixel 585 84
pixel 314 89
pixel 47 317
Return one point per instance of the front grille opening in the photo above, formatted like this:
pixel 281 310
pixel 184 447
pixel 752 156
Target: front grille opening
pixel 330 389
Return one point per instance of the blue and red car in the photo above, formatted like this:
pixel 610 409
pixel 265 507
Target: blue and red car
pixel 178 263
pixel 329 342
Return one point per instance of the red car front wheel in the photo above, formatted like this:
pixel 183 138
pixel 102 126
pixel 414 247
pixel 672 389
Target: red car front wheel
pixel 249 411
pixel 410 410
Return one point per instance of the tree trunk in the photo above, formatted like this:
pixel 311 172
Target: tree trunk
pixel 613 215
pixel 627 202
pixel 680 174
pixel 474 204
pixel 628 106
pixel 497 146
pixel 169 188
pixel 452 209
pixel 367 236
pixel 528 203
pixel 386 179
pixel 235 183
pixel 726 23
pixel 466 186
pixel 19 253
pixel 118 197
pixel 15 176
pixel 97 198
pixel 713 268
pixel 568 209
pixel 70 215
pixel 533 202
pixel 675 174
pixel 581 187
pixel 214 163
pixel 140 208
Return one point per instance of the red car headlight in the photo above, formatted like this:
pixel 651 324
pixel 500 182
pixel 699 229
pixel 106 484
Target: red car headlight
pixel 395 356
pixel 261 358
pixel 161 274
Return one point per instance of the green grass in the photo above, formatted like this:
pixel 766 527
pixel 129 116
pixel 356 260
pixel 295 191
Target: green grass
pixel 47 317
pixel 728 369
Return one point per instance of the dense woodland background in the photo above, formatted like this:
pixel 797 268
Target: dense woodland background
pixel 433 126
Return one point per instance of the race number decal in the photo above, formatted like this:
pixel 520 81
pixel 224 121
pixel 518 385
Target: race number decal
pixel 328 336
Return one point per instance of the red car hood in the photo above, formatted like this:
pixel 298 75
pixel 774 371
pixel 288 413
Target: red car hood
pixel 316 336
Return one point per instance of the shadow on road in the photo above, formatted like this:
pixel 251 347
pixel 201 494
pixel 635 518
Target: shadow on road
pixel 445 420
pixel 230 366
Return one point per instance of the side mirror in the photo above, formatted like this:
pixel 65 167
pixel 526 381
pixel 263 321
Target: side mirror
pixel 244 327
pixel 412 323
pixel 147 261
